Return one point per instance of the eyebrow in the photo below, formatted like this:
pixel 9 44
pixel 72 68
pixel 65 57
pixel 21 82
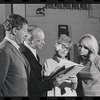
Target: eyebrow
pixel 83 46
pixel 65 46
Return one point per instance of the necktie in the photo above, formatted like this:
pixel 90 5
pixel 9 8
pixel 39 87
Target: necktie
pixel 38 59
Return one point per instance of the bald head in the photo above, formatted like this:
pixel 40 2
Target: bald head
pixel 35 32
pixel 36 37
pixel 38 34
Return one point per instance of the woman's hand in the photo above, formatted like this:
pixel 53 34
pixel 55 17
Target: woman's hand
pixel 74 82
pixel 59 80
pixel 73 79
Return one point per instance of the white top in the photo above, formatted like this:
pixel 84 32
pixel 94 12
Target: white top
pixel 13 43
pixel 31 49
pixel 49 67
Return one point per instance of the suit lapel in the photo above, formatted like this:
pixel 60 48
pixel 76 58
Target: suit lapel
pixel 24 60
pixel 38 58
pixel 27 51
pixel 33 61
pixel 19 55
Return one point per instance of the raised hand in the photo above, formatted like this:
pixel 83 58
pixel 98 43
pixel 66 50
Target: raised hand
pixel 73 79
pixel 59 80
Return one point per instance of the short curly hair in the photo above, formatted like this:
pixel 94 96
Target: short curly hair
pixel 14 21
pixel 65 40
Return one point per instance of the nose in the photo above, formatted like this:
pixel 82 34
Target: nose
pixel 82 48
pixel 43 42
pixel 26 35
pixel 64 50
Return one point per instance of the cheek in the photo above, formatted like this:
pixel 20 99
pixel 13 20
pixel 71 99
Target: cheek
pixel 38 45
pixel 19 36
pixel 66 52
pixel 86 51
pixel 58 47
pixel 60 52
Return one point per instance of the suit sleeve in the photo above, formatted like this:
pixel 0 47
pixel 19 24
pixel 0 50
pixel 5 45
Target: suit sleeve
pixel 37 85
pixel 4 65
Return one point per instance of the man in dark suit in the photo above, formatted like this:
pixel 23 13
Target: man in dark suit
pixel 14 67
pixel 37 86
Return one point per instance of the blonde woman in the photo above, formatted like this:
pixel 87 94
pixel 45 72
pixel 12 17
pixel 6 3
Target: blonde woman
pixel 62 47
pixel 89 76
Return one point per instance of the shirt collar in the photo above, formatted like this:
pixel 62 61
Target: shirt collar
pixel 13 43
pixel 30 48
pixel 57 58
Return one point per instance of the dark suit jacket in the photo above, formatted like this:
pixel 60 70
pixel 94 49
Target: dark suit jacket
pixel 36 84
pixel 14 71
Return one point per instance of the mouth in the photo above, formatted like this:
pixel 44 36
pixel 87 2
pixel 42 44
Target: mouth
pixel 81 52
pixel 24 38
pixel 63 53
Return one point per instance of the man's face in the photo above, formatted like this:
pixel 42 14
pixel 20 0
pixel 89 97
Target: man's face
pixel 38 41
pixel 22 34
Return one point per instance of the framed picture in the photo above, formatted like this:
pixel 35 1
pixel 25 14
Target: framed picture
pixel 35 10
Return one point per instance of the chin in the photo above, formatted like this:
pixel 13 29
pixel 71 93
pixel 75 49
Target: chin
pixel 39 47
pixel 62 56
pixel 82 54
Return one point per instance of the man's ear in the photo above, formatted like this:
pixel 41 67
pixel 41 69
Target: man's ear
pixel 14 31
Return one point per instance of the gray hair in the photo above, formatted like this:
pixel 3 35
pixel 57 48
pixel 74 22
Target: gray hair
pixel 65 40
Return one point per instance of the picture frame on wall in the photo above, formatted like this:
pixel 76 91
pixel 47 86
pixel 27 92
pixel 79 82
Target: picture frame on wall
pixel 35 10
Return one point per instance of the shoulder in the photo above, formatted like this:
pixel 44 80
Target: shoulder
pixel 23 47
pixel 79 59
pixel 4 47
pixel 5 44
pixel 25 51
pixel 4 50
pixel 49 60
pixel 97 59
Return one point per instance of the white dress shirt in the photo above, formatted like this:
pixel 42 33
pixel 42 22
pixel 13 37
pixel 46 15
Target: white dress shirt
pixel 31 49
pixel 13 43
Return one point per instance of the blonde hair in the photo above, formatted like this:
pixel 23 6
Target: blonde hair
pixel 90 42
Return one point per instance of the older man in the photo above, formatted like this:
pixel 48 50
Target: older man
pixel 37 86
